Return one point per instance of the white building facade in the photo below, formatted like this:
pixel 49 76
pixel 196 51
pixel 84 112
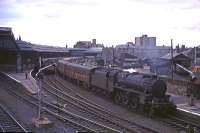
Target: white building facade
pixel 145 41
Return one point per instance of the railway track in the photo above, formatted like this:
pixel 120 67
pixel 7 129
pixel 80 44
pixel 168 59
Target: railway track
pixel 179 122
pixel 8 123
pixel 81 105
pixel 182 123
pixel 74 94
pixel 82 124
pixel 77 122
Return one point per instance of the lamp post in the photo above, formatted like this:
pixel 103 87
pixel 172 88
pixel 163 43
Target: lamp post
pixel 40 78
pixel 195 56
pixel 172 60
pixel 41 122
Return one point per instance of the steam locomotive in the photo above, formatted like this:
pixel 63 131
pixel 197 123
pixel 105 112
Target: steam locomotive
pixel 138 92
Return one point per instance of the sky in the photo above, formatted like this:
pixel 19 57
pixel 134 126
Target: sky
pixel 111 22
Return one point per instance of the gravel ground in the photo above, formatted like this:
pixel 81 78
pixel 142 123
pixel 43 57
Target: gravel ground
pixel 120 110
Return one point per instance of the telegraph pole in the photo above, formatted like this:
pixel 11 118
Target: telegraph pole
pixel 172 58
pixel 113 55
pixel 40 78
pixel 41 121
pixel 195 56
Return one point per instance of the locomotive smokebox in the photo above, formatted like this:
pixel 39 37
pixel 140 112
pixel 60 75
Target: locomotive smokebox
pixel 159 88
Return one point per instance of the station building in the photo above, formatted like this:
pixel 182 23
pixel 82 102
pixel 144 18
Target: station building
pixel 142 52
pixel 145 41
pixel 163 64
pixel 18 55
pixel 9 51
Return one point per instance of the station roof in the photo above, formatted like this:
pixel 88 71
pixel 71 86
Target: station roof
pixel 6 29
pixel 77 49
pixel 187 52
pixel 175 54
pixel 94 50
pixel 42 48
pixel 24 46
pixel 27 46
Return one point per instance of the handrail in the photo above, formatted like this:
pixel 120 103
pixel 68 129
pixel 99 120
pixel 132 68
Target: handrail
pixel 38 77
pixel 42 69
pixel 37 74
pixel 31 75
pixel 193 77
pixel 32 79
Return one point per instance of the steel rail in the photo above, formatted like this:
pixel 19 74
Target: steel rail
pixel 12 119
pixel 74 115
pixel 88 110
pixel 47 110
pixel 2 129
pixel 104 114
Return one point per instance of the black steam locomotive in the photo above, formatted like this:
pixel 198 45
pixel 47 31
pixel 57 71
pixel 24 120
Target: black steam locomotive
pixel 136 91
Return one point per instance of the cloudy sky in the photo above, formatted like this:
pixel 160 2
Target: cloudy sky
pixel 60 22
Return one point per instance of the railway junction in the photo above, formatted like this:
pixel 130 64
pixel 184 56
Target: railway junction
pixel 61 95
pixel 37 94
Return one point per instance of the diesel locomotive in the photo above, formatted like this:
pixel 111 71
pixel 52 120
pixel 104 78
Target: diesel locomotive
pixel 138 92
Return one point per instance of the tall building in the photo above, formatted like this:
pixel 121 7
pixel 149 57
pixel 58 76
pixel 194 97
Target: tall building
pixel 87 44
pixel 142 52
pixel 145 41
pixel 108 55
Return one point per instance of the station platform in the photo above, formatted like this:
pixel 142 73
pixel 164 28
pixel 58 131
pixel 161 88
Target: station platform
pixel 29 83
pixel 195 110
pixel 182 103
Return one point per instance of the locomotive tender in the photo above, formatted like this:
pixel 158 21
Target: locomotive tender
pixel 143 92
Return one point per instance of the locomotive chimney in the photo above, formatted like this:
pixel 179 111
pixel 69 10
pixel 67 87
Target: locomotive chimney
pixel 94 41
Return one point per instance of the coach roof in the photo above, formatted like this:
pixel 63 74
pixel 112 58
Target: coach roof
pixel 77 66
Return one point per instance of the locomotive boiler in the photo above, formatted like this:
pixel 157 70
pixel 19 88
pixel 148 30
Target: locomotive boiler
pixel 143 92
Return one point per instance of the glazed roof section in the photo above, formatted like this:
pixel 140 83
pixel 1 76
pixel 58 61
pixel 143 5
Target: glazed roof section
pixel 27 46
